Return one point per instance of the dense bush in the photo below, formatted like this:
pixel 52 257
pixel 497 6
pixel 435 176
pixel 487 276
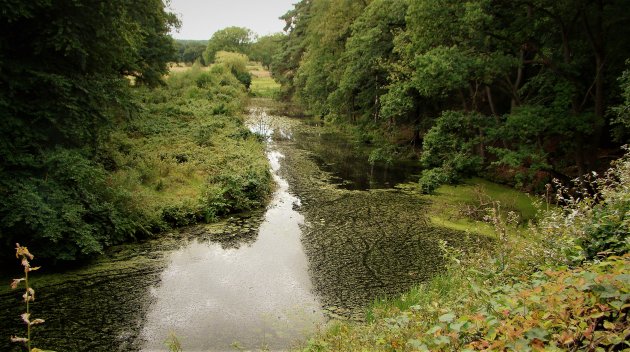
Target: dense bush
pixel 189 156
pixel 180 156
pixel 72 211
pixel 65 86
pixel 237 64
pixel 452 149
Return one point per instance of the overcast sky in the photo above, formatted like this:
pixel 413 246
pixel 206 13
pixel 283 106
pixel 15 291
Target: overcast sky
pixel 200 19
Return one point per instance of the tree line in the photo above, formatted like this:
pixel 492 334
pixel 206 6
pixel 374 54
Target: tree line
pixel 520 91
pixel 231 39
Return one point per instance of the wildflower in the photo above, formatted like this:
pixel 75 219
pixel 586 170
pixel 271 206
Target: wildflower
pixel 29 295
pixel 37 321
pixel 15 283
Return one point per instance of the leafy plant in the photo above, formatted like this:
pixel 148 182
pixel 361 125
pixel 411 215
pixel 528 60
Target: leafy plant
pixel 173 344
pixel 23 254
pixel 451 149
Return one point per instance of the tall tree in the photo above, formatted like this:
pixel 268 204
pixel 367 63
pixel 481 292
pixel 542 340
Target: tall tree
pixel 266 47
pixel 234 39
pixel 63 81
pixel 286 62
pixel 365 61
pixel 320 69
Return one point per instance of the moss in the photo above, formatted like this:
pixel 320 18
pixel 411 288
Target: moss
pixel 362 244
pixel 100 306
pixel 450 202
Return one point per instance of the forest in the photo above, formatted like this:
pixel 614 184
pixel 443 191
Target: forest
pixel 86 102
pixel 520 92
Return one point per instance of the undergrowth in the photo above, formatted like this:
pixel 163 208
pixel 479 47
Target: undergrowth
pixel 187 156
pixel 561 285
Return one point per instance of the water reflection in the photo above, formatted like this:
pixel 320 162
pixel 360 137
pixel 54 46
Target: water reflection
pixel 258 296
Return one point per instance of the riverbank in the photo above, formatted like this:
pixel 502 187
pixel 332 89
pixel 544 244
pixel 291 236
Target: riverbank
pixel 358 244
pixel 558 284
pixel 187 156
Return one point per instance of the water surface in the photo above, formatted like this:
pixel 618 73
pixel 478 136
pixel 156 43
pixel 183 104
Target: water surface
pixel 254 297
pixel 334 237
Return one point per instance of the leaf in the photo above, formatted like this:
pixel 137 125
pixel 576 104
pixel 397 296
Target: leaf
pixel 456 326
pixel 434 329
pixel 616 304
pixel 537 333
pixel 441 340
pixel 491 335
pixel 447 318
pixel 417 345
pixel 608 325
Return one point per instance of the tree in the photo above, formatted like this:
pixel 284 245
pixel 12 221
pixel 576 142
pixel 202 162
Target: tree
pixel 320 69
pixel 368 52
pixel 540 72
pixel 264 49
pixel 237 64
pixel 286 62
pixel 64 69
pixel 189 51
pixel 233 39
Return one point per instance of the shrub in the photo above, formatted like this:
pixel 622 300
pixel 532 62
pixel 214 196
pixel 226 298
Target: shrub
pixel 594 219
pixel 237 64
pixel 608 229
pixel 450 148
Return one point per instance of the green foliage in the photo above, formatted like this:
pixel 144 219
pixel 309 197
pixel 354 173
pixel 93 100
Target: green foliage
pixel 364 62
pixel 190 51
pixel 542 73
pixel 69 213
pixel 233 39
pixel 187 156
pixel 237 64
pixel 89 161
pixel 622 111
pixel 590 226
pixel 449 154
pixel 64 86
pixel 266 47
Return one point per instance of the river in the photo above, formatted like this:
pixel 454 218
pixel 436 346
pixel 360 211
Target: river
pixel 334 237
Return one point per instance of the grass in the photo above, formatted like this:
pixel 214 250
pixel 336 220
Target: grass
pixel 182 67
pixel 452 205
pixel 263 85
pixel 187 155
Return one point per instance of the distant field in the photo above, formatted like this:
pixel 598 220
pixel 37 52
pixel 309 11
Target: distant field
pixel 263 85
pixel 180 67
